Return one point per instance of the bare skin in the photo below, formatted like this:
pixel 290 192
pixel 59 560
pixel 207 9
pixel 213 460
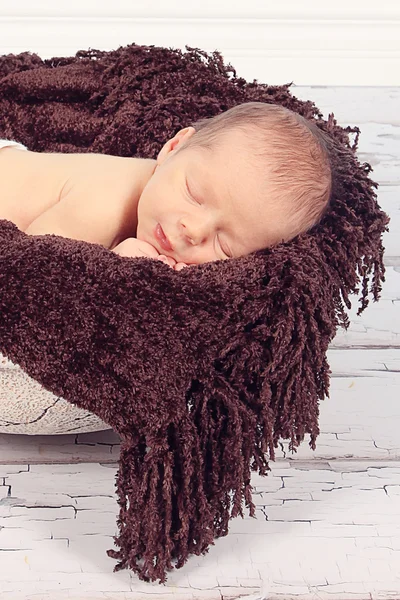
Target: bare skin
pixel 206 201
pixel 132 247
pixel 207 204
pixel 60 193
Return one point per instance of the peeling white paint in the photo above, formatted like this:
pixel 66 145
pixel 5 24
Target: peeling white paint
pixel 328 522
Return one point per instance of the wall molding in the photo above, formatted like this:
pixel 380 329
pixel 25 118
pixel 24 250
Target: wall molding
pixel 300 43
pixel 357 10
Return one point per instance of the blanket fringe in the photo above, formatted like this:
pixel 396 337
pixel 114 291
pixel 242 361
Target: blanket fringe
pixel 182 482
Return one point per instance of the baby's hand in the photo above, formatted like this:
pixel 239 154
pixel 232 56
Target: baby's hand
pixel 180 265
pixel 167 259
pixel 177 266
pixel 132 247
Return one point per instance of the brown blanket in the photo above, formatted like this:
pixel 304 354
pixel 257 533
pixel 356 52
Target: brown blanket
pixel 201 371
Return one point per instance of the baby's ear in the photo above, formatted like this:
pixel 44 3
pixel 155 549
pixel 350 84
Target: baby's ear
pixel 161 155
pixel 179 139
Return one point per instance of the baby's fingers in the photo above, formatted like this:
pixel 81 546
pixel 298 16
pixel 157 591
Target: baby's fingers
pixel 180 265
pixel 169 261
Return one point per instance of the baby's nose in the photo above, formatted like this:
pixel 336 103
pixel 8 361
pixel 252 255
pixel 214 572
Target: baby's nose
pixel 198 232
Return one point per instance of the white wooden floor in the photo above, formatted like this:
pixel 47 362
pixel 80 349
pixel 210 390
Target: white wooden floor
pixel 328 522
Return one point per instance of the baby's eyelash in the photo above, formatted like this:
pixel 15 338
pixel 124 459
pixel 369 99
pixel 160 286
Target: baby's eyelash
pixel 194 200
pixel 226 253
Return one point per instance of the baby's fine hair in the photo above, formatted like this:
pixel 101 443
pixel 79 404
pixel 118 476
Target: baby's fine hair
pixel 289 152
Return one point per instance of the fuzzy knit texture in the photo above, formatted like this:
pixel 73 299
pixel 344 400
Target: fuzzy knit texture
pixel 201 371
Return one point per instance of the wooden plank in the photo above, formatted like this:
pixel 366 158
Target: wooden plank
pixel 57 521
pixel 354 105
pixel 99 446
pixel 379 324
pixel 389 201
pixel 361 418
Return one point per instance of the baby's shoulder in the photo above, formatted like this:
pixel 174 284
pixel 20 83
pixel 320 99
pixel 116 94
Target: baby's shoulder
pixel 100 188
pixel 100 172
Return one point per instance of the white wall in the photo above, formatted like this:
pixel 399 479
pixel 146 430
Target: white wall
pixel 341 42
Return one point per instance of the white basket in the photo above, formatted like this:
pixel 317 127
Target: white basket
pixel 27 408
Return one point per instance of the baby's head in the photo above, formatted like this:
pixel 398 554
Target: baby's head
pixel 246 179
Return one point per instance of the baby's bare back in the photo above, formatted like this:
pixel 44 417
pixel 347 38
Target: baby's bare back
pixel 84 196
pixel 25 191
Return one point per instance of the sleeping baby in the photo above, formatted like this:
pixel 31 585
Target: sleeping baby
pixel 249 178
